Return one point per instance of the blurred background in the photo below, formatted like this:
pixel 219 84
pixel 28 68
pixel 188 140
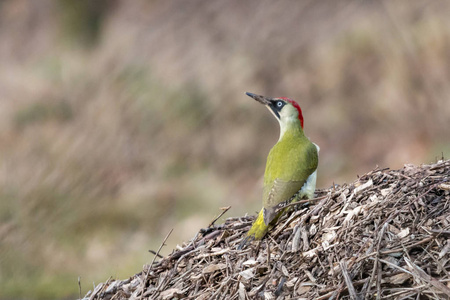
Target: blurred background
pixel 120 120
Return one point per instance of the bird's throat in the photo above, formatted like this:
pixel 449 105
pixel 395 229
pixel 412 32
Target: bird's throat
pixel 290 127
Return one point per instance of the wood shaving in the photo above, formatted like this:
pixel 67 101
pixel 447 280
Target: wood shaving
pixel 384 236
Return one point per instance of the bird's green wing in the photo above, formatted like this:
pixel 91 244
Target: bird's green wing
pixel 278 195
pixel 286 173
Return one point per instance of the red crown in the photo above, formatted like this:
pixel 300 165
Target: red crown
pixel 295 104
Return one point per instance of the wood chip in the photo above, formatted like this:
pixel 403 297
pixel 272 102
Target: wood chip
pixel 386 234
pixel 213 267
pixel 247 274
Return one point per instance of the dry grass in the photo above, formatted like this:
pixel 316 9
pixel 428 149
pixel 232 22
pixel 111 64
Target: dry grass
pixel 384 236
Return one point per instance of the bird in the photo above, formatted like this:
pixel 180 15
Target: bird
pixel 291 167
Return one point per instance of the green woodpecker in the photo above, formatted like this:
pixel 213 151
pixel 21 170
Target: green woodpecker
pixel 291 166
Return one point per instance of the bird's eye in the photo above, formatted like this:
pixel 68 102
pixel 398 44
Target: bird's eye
pixel 279 104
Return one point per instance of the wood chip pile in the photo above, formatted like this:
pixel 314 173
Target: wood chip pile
pixel 384 236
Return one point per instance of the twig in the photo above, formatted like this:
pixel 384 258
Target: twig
pixel 224 210
pixel 348 280
pixel 421 274
pixel 407 247
pixel 160 247
pixel 151 265
pixel 301 202
pixel 156 254
pixel 79 285
pixel 446 232
pixel 279 289
pixel 395 266
pixel 330 294
pixel 375 264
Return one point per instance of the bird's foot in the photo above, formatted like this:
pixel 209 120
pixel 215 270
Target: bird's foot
pixel 248 239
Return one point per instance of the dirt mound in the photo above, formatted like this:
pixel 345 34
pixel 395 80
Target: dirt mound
pixel 386 235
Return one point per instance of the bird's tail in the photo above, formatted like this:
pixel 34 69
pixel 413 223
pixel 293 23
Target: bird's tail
pixel 259 229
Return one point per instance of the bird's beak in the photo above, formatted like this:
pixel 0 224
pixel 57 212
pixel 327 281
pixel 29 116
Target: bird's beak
pixel 259 98
pixel 268 102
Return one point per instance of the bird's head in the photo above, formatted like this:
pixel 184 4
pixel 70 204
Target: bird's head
pixel 284 109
